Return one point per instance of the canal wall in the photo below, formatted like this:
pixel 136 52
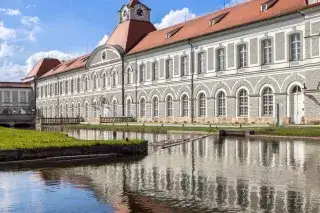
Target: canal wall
pixel 44 153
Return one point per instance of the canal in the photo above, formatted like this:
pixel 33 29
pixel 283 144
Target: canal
pixel 208 175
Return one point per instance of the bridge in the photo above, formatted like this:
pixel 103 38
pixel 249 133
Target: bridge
pixel 12 120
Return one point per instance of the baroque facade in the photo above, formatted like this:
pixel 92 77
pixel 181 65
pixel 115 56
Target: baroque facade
pixel 257 62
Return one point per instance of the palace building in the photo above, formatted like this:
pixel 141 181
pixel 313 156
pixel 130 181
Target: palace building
pixel 256 62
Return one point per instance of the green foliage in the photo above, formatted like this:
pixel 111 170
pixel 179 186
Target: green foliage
pixel 30 139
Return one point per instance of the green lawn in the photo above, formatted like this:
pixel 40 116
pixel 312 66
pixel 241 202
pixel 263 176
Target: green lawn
pixel 30 139
pixel 274 131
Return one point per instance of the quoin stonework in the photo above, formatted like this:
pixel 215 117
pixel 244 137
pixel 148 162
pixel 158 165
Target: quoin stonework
pixel 257 62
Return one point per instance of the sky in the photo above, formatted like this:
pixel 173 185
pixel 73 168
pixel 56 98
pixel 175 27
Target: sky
pixel 34 29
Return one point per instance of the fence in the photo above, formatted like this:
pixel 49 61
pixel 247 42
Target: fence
pixel 60 121
pixel 105 120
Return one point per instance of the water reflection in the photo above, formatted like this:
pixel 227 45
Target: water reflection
pixel 209 175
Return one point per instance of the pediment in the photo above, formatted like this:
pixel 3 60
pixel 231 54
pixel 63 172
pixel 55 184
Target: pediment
pixel 105 54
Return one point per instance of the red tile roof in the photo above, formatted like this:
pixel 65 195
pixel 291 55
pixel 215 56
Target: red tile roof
pixel 138 36
pixel 129 33
pixel 15 85
pixel 42 67
pixel 242 14
pixel 65 66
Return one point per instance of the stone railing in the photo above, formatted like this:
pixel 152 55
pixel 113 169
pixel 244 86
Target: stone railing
pixel 60 121
pixel 105 120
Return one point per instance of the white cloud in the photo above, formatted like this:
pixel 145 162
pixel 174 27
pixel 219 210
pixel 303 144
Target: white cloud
pixel 103 40
pixel 175 17
pixel 11 12
pixel 6 33
pixel 30 6
pixel 7 50
pixel 10 71
pixel 30 21
pixel 31 24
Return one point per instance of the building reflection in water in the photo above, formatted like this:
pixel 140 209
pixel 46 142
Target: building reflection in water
pixel 212 174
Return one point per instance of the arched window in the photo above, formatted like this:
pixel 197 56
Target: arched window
pixel 185 106
pixel 142 107
pixel 155 104
pixel 95 109
pixel 86 109
pixel 129 78
pixel 129 108
pixel 169 106
pixel 243 101
pixel 72 111
pixel 72 85
pixel 221 104
pixel 267 102
pixel 78 84
pixel 104 79
pixel 115 106
pixel 79 109
pixel 86 84
pixel 95 82
pixel 202 63
pixel 142 72
pixel 66 87
pixel 202 105
pixel 295 47
pixel 266 51
pixel 114 79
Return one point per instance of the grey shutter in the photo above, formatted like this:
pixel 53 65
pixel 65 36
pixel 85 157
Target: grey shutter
pixel 230 54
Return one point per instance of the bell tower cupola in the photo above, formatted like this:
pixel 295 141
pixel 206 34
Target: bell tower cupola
pixel 135 10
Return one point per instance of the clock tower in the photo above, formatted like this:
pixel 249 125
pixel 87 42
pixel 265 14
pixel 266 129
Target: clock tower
pixel 135 10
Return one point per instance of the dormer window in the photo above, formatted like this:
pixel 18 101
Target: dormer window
pixel 104 55
pixel 173 32
pixel 217 19
pixel 68 64
pixel 267 5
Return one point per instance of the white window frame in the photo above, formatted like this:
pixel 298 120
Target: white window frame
pixel 142 107
pixel 266 51
pixel 184 65
pixel 221 59
pixel 243 103
pixel 267 101
pixel 169 68
pixel 184 106
pixel 221 104
pixel 169 106
pixel 202 104
pixel 242 56
pixel 295 47
pixel 155 106
pixel 202 62
pixel 142 72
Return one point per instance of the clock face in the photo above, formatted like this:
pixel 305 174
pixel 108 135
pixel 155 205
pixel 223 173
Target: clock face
pixel 139 12
pixel 125 14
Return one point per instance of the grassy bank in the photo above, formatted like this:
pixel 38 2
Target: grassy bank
pixel 274 131
pixel 30 139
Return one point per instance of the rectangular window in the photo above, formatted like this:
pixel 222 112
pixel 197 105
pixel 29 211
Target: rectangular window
pixel 154 71
pixel 72 86
pixel 6 96
pixel 61 87
pixel 202 63
pixel 169 68
pixel 295 45
pixel 243 56
pixel 78 85
pixel 23 97
pixel 222 104
pixel 56 89
pixel 184 65
pixel 66 88
pixel 221 59
pixel 266 52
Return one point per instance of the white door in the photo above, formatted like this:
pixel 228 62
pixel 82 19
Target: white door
pixel 297 105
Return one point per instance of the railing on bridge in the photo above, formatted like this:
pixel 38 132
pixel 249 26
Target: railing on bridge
pixel 105 120
pixel 60 121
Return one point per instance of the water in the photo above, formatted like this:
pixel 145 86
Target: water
pixel 209 175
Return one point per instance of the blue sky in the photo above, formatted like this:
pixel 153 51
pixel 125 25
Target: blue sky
pixel 33 29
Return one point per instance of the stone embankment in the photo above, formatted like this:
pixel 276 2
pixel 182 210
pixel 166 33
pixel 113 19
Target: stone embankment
pixel 45 153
